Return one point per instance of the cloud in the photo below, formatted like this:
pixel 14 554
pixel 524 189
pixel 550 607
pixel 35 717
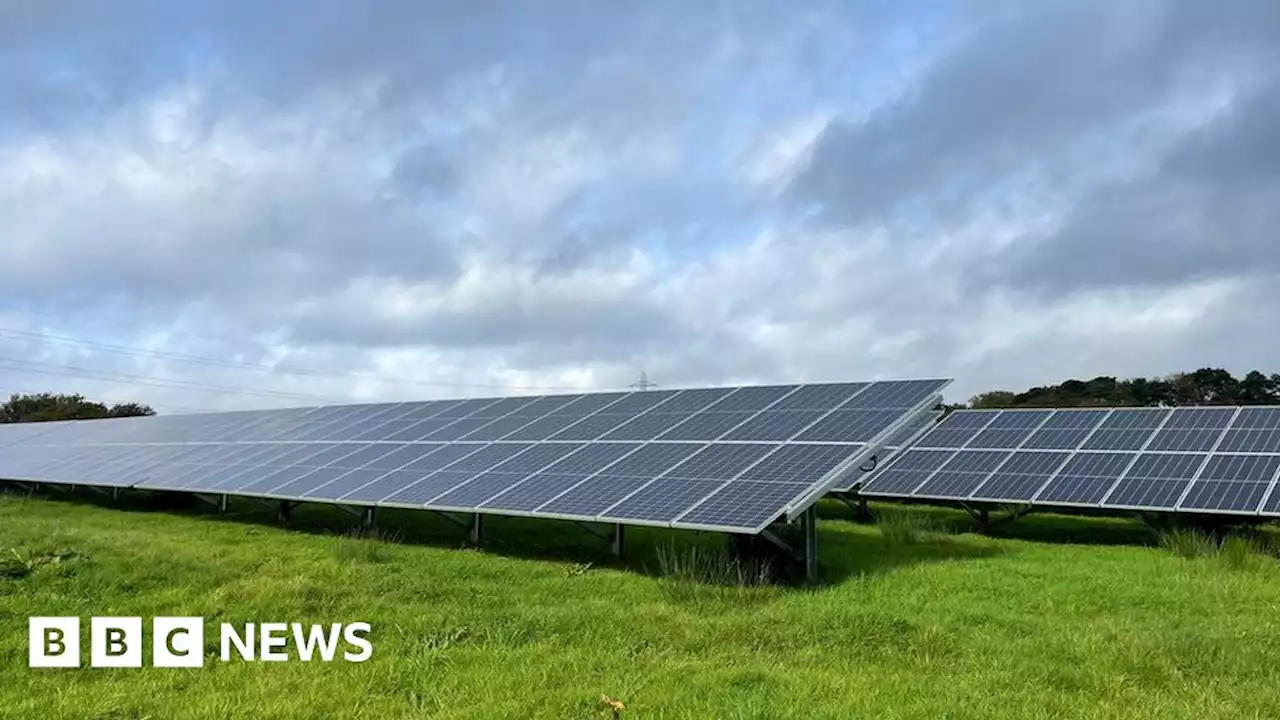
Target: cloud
pixel 223 205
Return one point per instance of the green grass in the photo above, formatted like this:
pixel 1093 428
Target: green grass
pixel 1059 617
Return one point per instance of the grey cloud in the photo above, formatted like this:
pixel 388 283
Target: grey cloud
pixel 1017 87
pixel 1210 211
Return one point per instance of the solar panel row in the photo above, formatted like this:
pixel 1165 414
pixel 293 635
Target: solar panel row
pixel 723 459
pixel 1202 459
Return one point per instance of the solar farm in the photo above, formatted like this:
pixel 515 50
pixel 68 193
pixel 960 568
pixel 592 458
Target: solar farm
pixel 981 563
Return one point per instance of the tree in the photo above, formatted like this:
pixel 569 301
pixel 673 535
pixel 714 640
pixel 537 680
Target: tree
pixel 1206 386
pixel 131 409
pixel 44 407
pixel 993 399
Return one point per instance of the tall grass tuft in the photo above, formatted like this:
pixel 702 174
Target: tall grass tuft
pixel 1240 551
pixel 1189 543
pixel 363 545
pixel 703 565
pixel 899 526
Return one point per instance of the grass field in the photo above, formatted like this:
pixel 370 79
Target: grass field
pixel 542 623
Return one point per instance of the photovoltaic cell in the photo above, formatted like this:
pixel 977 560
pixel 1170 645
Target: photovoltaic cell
pixel 1021 477
pixel 1009 429
pixel 752 399
pixel 560 476
pixel 598 493
pixel 662 501
pixel 957 429
pixel 908 431
pixel 591 427
pixel 706 426
pixel 907 472
pixel 899 395
pixel 819 397
pixel 1232 483
pixel 1085 479
pixel 544 427
pixel 962 474
pixel 1126 429
pixel 503 476
pixel 850 426
pixel 1155 481
pixel 1254 430
pixel 743 503
pixel 774 425
pixel 720 462
pixel 1065 430
pixel 798 463
pixel 694 400
pixel 646 427
pixel 1192 429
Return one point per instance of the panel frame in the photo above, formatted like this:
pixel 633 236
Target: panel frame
pixel 1266 497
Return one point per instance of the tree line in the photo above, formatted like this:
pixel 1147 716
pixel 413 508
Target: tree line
pixel 45 407
pixel 1206 386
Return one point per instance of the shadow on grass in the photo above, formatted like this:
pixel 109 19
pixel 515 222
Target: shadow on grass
pixel 1065 526
pixel 842 553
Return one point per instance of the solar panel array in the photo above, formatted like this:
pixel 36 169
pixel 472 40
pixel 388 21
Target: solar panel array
pixel 731 459
pixel 1188 459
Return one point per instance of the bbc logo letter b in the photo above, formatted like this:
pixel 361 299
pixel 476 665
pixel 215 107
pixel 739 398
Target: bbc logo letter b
pixel 53 642
pixel 115 642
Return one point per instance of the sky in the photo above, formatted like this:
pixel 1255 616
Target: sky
pixel 221 205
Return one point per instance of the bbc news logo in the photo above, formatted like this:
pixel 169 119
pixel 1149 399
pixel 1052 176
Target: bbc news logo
pixel 178 642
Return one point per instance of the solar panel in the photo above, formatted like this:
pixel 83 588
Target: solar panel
pixel 559 477
pixel 1254 430
pixel 907 472
pixel 958 429
pixel 1192 459
pixel 849 426
pixel 707 458
pixel 1155 481
pixel 963 473
pixel 1010 429
pixel 741 502
pixel 1021 477
pixel 1192 429
pixel 1065 430
pixel 1232 483
pixel 1127 429
pixel 617 480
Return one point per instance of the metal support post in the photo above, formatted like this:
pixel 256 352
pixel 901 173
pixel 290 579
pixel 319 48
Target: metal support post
pixel 286 509
pixel 222 504
pixel 370 516
pixel 619 540
pixel 810 522
pixel 477 529
pixel 115 493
